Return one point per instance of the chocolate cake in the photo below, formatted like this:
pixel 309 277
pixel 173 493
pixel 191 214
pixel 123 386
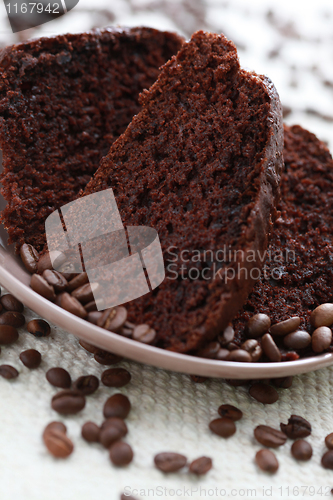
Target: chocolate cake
pixel 298 271
pixel 63 102
pixel 201 164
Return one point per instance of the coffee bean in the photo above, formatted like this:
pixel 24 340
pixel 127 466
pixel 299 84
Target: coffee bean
pixel 143 333
pixel 268 436
pixel 31 358
pixel 270 348
pixel 55 279
pixel 322 315
pixel 116 377
pixel 59 377
pixel 329 441
pixel 8 334
pixel 87 384
pixel 90 432
pixel 209 351
pixel 68 402
pixel 253 347
pixel 8 372
pixel 79 280
pixel 231 412
pixel 112 430
pixel 283 382
pixel 201 466
pixel 267 461
pixel 297 427
pixel 88 347
pixel 12 318
pixel 93 316
pixel 107 358
pixel 301 450
pixel 11 303
pixel 113 319
pixel 297 340
pixel 127 497
pixel 321 339
pixel 121 454
pixel 29 256
pixel 44 262
pixel 237 382
pixel 85 293
pixel 239 355
pixel 72 305
pixel 284 327
pixel 198 379
pixel 257 325
pixel 41 286
pixel 39 328
pixel 58 444
pixel 222 354
pixel 227 336
pixel 327 460
pixel 59 426
pixel 170 462
pixel 224 427
pixel 117 405
pixel 92 307
pixel 264 393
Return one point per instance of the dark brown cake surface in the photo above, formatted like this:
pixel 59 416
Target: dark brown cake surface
pixel 63 101
pixel 200 164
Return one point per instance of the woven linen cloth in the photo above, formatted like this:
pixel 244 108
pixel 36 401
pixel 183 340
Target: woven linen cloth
pixel 292 43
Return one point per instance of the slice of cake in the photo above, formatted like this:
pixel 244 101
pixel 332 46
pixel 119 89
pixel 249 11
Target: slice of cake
pixel 200 164
pixel 63 101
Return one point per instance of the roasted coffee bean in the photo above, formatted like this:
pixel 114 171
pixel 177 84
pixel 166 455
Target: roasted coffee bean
pixel 127 497
pixel 198 379
pixel 44 262
pixel 8 372
pixel 322 315
pixel 301 450
pixel 59 377
pixel 79 280
pixel 58 299
pixel 85 293
pixel 68 402
pixel 94 316
pixel 210 351
pixel 55 279
pixel 283 382
pixel 224 427
pixel 239 355
pixel 321 339
pixel 230 411
pixel 39 328
pixel 72 305
pixel 87 384
pixel 90 432
pixel 232 346
pixel 107 358
pixel 227 336
pixel 29 256
pixel 170 462
pixel 58 444
pixel 31 358
pixel 41 286
pixel 327 460
pixel 284 327
pixel 59 426
pixel 253 347
pixel 296 428
pixel 12 318
pixel 258 325
pixel 222 354
pixel 267 461
pixel 11 303
pixel 112 430
pixel 237 382
pixel 264 393
pixel 329 441
pixel 297 340
pixel 113 319
pixel 200 466
pixel 270 437
pixel 116 377
pixel 270 348
pixel 117 405
pixel 121 453
pixel 145 334
pixel 88 347
pixel 8 334
pixel 92 307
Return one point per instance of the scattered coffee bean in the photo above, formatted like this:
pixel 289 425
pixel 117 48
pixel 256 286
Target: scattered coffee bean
pixel 222 354
pixel 72 305
pixel 116 377
pixel 201 466
pixel 329 441
pixel 264 393
pixel 85 293
pixel 113 319
pixel 210 351
pixel 59 377
pixel 237 382
pixel 297 427
pixel 68 402
pixel 29 256
pixel 297 340
pixel 270 437
pixel 88 347
pixel 127 497
pixel 198 379
pixel 39 328
pixel 90 432
pixel 117 405
pixel 31 358
pixel 44 261
pixel 321 339
pixel 145 334
pixel 121 454
pixel 267 461
pixel 41 286
pixel 284 327
pixel 231 412
pixel 301 450
pixel 107 358
pixel 79 280
pixel 61 427
pixel 111 431
pixel 239 355
pixel 327 460
pixel 224 427
pixel 87 384
pixel 11 303
pixel 12 318
pixel 92 307
pixel 93 316
pixel 253 347
pixel 258 325
pixel 58 444
pixel 270 348
pixel 55 279
pixel 227 336
pixel 283 382
pixel 8 334
pixel 8 372
pixel 322 315
pixel 170 462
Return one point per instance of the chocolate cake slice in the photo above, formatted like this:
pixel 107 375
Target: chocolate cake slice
pixel 63 102
pixel 200 164
pixel 298 270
